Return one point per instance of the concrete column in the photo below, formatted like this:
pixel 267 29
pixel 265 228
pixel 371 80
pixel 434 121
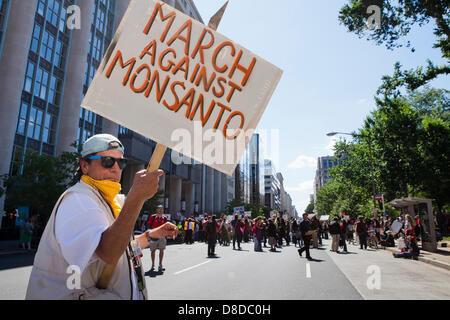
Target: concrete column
pixel 175 195
pixel 73 90
pixel 13 64
pixel 209 190
pixel 188 194
pixel 217 191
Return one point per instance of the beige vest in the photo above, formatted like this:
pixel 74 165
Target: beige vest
pixel 51 278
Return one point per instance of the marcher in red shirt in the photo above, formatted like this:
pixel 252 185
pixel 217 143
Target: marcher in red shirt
pixel 155 221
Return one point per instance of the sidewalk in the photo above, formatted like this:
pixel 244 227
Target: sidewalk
pixel 441 258
pixel 11 247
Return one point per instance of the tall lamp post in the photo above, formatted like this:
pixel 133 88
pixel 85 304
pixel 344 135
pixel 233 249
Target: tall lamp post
pixel 331 134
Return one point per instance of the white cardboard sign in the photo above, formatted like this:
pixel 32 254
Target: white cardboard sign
pixel 170 78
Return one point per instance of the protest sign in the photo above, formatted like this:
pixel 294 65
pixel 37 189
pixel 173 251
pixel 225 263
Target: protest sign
pixel 170 78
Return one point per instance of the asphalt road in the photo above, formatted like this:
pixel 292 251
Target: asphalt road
pixel 282 275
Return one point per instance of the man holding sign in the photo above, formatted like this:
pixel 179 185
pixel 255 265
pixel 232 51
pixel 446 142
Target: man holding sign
pixel 88 250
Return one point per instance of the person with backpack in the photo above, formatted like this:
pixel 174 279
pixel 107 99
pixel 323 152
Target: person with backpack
pixel 335 232
pixel 154 221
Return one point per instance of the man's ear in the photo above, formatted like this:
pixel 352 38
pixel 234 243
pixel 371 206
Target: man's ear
pixel 84 165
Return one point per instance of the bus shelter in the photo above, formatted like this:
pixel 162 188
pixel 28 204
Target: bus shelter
pixel 423 208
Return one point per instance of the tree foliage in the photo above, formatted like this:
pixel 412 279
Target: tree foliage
pixel 396 21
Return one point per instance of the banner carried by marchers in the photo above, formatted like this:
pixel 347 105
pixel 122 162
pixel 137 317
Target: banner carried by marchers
pixel 171 79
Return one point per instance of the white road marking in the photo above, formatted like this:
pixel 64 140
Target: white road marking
pixel 190 268
pixel 308 270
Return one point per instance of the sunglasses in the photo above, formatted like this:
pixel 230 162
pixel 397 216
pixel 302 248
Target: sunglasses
pixel 108 162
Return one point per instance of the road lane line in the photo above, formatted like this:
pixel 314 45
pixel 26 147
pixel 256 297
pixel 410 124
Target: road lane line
pixel 187 269
pixel 308 270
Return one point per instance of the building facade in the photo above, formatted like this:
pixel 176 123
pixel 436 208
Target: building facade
pixel 324 165
pixel 46 68
pixel 272 187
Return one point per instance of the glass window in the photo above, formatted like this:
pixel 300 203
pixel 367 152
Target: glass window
pixel 48 134
pixel 47 46
pixel 40 87
pixel 36 37
pixel 41 7
pixel 22 118
pixel 29 77
pixel 31 122
pixel 62 20
pixel 53 12
pixel 38 125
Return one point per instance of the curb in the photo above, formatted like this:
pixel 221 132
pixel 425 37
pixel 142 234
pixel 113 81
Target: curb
pixel 13 252
pixel 436 263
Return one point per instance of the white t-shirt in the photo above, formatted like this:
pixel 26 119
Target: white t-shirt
pixel 79 225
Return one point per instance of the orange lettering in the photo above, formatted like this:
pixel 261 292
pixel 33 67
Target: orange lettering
pixel 202 76
pixel 184 61
pixel 246 71
pixel 219 118
pixel 162 56
pixel 119 58
pixel 233 86
pixel 133 79
pixel 216 53
pixel 199 47
pixel 187 40
pixel 159 90
pixel 177 100
pixel 158 9
pixel 152 54
pixel 225 127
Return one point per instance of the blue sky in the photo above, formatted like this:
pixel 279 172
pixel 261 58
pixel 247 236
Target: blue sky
pixel 330 76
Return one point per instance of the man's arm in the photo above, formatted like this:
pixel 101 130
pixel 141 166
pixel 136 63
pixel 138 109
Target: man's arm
pixel 115 239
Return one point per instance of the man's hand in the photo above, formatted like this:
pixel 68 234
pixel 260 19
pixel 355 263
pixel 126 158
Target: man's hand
pixel 166 230
pixel 145 184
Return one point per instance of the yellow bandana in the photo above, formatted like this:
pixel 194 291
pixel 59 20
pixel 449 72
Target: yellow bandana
pixel 108 189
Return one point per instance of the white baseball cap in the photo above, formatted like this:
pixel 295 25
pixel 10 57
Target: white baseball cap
pixel 99 143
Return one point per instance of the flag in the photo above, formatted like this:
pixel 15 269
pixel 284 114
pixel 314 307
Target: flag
pixel 379 197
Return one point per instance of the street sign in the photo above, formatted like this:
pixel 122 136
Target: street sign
pixel 176 81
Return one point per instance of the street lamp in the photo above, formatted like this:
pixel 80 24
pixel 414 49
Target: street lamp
pixel 331 134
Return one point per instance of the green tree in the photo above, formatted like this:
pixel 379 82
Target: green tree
pixel 42 181
pixel 396 21
pixel 151 204
pixel 310 207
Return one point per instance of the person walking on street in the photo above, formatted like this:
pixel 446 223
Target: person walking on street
pixel 211 234
pixel 238 230
pixel 26 233
pixel 91 228
pixel 343 237
pixel 305 228
pixel 361 231
pixel 189 229
pixel 257 234
pixel 335 232
pixel 155 221
pixel 272 234
pixel 315 229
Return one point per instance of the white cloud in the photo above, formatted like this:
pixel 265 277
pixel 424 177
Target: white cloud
pixel 302 187
pixel 362 101
pixel 303 162
pixel 301 194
